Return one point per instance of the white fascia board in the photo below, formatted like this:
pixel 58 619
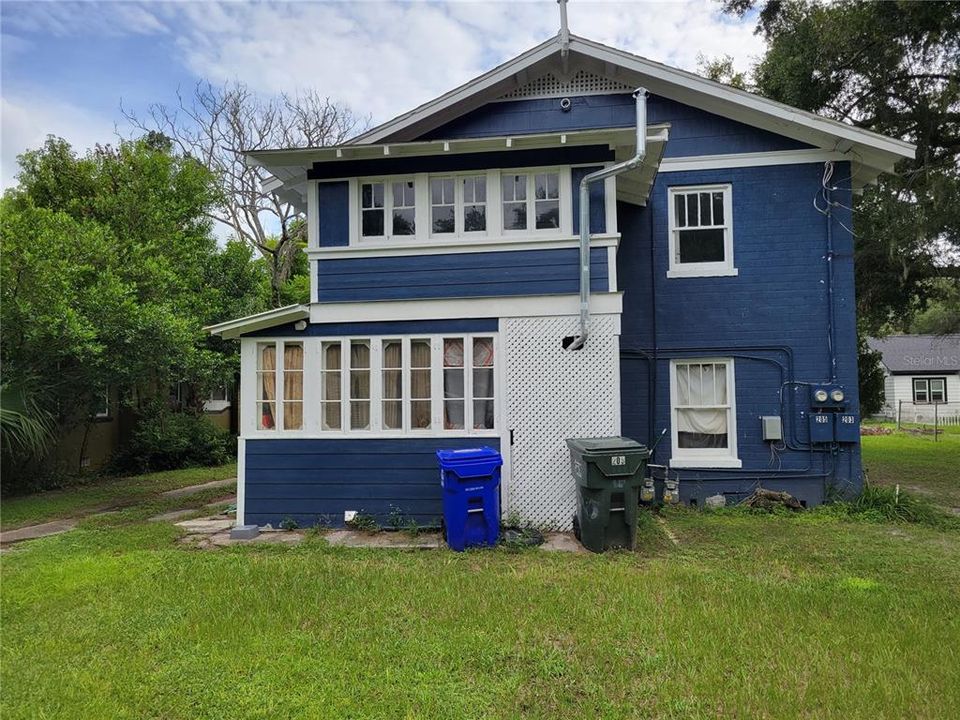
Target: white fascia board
pixel 759 159
pixel 662 80
pixel 459 308
pixel 703 88
pixel 270 318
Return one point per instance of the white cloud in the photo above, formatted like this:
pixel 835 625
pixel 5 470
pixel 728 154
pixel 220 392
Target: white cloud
pixel 386 58
pixel 27 120
pixel 92 19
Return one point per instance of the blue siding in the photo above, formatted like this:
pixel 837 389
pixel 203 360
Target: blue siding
pixel 598 203
pixel 334 211
pixel 692 131
pixel 521 272
pixel 314 480
pixel 771 318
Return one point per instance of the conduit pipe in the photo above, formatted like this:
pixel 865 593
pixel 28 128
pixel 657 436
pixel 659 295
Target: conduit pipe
pixel 640 96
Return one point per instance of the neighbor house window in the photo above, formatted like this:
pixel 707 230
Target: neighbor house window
pixel 530 200
pixel 929 390
pixel 286 373
pixel 380 201
pixel 102 408
pixel 701 231
pixel 703 414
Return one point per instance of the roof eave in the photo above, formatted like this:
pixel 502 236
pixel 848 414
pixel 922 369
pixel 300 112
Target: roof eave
pixel 232 329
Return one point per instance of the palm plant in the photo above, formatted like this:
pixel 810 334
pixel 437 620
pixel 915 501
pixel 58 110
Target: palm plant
pixel 27 428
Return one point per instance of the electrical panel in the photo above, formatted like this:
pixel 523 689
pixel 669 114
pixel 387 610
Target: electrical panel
pixel 821 427
pixel 828 397
pixel 772 428
pixel 847 428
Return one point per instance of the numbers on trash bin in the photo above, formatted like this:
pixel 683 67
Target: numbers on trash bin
pixel 618 459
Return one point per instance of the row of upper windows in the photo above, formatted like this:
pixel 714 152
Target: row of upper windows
pixel 458 204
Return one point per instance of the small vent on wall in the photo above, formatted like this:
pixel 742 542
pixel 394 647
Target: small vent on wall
pixel 583 83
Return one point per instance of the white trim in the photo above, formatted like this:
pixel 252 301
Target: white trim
pixel 694 458
pixel 248 383
pixel 726 267
pixel 612 268
pixel 241 480
pixel 260 321
pixel 742 160
pixel 660 79
pixel 461 245
pixel 460 308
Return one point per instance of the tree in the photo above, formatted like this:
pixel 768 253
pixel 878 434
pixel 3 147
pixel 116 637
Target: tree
pixel 216 124
pixel 108 272
pixel 893 68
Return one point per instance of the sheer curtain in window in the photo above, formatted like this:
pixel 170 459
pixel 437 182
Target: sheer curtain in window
pixel 420 410
pixel 359 385
pixel 267 358
pixel 292 386
pixel 702 406
pixel 453 386
pixel 392 362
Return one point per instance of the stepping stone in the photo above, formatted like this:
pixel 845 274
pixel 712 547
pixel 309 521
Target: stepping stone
pixel 189 490
pixel 206 526
pixel 402 541
pixel 37 531
pixel 562 542
pixel 171 516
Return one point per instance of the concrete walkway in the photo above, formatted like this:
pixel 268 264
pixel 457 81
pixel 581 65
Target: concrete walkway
pixel 32 532
pixel 55 527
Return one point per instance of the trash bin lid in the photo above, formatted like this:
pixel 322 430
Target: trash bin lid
pixel 606 445
pixel 467 455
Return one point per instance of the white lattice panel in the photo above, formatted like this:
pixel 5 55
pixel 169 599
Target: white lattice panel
pixel 582 83
pixel 554 394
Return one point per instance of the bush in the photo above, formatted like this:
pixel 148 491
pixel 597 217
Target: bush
pixel 166 440
pixel 878 503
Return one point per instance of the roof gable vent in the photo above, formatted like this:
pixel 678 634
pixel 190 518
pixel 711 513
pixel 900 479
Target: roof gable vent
pixel 582 83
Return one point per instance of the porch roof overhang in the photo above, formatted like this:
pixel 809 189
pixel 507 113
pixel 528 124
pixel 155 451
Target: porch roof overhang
pixel 271 318
pixel 289 168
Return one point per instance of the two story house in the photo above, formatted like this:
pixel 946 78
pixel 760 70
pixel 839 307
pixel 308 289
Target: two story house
pixel 446 277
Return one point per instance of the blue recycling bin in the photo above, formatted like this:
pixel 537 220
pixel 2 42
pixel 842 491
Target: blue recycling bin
pixel 471 496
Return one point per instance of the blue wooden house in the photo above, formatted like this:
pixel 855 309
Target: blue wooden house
pixel 709 304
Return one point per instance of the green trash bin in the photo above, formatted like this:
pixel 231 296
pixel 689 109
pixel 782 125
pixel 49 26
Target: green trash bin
pixel 608 473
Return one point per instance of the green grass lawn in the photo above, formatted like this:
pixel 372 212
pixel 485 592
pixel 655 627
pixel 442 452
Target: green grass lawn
pixel 917 462
pixel 102 492
pixel 813 615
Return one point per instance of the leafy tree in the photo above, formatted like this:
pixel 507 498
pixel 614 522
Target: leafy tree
pixel 217 124
pixel 108 273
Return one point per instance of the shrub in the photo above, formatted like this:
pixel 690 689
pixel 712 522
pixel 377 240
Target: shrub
pixel 878 503
pixel 166 440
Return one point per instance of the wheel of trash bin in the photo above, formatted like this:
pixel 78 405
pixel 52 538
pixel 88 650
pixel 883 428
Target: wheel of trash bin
pixel 576 527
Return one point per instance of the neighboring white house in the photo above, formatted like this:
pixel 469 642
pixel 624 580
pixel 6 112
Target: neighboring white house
pixel 922 376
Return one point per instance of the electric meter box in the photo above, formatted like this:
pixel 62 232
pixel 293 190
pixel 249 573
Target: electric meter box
pixel 847 428
pixel 821 427
pixel 828 396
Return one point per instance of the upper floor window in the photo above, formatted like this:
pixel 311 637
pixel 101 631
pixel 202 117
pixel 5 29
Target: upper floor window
pixel 704 418
pixel 929 390
pixel 530 200
pixel 395 200
pixel 458 205
pixel 701 231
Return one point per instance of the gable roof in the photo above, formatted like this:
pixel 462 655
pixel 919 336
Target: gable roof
pixel 871 152
pixel 919 353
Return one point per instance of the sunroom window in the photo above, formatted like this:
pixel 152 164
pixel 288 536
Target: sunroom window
pixel 701 236
pixel 285 412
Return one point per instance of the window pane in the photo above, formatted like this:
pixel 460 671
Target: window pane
pixel 692 214
pixel 483 383
pixel 292 356
pixel 392 378
pixel 403 222
pixel 718 208
pixel 514 187
pixel 420 385
pixel 372 222
pixel 548 214
pixel 515 216
pixel 453 414
pixel 331 416
pixel 683 384
pixel 483 414
pixel 366 195
pixel 680 205
pixel 442 219
pixel 480 189
pixel 378 195
pixel 700 245
pixel 392 387
pixel 702 428
pixel 292 415
pixel 475 218
pixel 547 186
pixel 359 385
pixel 392 414
pixel 706 216
pixel 359 415
pixel 266 421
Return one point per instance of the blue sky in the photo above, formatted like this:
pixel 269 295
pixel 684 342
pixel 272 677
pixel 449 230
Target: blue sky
pixel 66 66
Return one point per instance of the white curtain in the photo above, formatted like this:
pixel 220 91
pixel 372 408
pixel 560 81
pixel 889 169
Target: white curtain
pixel 702 385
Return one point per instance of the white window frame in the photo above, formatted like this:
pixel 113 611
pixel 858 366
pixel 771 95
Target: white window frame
pixel 563 198
pixel 313 416
pixel 459 206
pixel 927 383
pixel 677 269
pixel 103 411
pixel 388 207
pixel 704 457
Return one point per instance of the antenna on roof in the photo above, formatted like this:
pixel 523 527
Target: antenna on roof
pixel 564 34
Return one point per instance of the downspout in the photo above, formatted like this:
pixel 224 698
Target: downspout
pixel 640 96
pixel 564 35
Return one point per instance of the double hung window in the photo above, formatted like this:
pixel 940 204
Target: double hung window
pixel 701 231
pixel 704 418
